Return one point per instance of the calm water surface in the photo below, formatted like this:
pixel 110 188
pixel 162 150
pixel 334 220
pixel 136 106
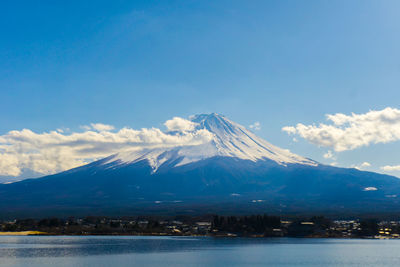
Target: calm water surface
pixel 192 251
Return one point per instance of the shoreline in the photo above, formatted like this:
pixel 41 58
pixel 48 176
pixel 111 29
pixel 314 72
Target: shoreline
pixel 23 233
pixel 229 235
pixel 253 226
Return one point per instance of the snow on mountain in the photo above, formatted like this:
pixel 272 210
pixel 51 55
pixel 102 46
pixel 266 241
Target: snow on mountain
pixel 219 177
pixel 229 139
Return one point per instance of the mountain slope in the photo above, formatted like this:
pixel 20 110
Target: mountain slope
pixel 235 172
pixel 229 139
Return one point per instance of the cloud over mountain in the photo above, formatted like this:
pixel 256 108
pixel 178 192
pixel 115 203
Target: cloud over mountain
pixel 54 151
pixel 179 124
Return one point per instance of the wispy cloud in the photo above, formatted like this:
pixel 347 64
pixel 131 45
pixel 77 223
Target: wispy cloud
pixel 55 151
pixel 348 132
pixel 390 168
pixel 97 127
pixel 329 155
pixel 101 127
pixel 361 166
pixel 255 126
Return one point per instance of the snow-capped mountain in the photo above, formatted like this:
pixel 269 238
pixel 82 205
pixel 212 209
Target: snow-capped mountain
pixel 231 171
pixel 229 139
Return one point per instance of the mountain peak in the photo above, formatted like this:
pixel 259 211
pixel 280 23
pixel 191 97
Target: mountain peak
pixel 229 139
pixel 214 123
pixel 207 118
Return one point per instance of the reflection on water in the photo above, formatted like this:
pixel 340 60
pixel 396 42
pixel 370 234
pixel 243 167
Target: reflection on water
pixel 52 246
pixel 194 251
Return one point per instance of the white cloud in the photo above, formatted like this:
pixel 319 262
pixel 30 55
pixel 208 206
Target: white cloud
pixel 365 164
pixel 348 132
pixel 361 166
pixel 97 127
pixel 101 127
pixel 85 127
pixel 329 155
pixel 289 129
pixel 179 124
pixel 389 168
pixel 54 151
pixel 255 126
pixel 9 165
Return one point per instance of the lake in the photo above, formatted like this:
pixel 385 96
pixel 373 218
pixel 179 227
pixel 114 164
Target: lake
pixel 194 251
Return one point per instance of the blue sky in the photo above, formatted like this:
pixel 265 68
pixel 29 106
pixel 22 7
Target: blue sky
pixel 139 63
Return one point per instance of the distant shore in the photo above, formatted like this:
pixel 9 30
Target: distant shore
pixel 220 235
pixel 38 233
pixel 254 226
pixel 19 233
